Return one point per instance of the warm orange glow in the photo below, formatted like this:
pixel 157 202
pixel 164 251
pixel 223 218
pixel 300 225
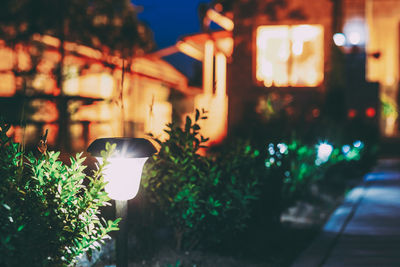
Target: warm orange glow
pixel 44 83
pixel 225 45
pixel 7 84
pixel 215 127
pixel 208 66
pixel 381 33
pixel 190 50
pixel 221 20
pixel 100 130
pixel 160 115
pixel 45 110
pixel 222 39
pixel 25 135
pixel 152 112
pixel 23 58
pixel 101 111
pixel 81 49
pixel 99 85
pixel 76 132
pixel 89 73
pixel 52 134
pixel 382 29
pixel 158 69
pixel 6 58
pixel 84 50
pixel 47 40
pixel 220 74
pixel 290 56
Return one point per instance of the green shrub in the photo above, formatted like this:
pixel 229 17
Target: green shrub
pixel 304 169
pixel 237 173
pixel 201 198
pixel 49 211
pixel 300 166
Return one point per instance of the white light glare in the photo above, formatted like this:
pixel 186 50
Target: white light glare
pixel 324 152
pixel 123 177
pixel 271 149
pixel 282 148
pixel 355 31
pixel 339 39
pixel 345 149
pixel 358 144
pixel 354 38
pixel 297 48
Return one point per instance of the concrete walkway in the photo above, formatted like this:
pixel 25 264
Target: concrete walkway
pixel 365 229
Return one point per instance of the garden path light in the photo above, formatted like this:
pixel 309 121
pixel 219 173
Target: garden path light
pixel 123 174
pixel 125 167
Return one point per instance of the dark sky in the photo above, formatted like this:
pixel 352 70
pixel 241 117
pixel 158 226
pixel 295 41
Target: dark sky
pixel 169 20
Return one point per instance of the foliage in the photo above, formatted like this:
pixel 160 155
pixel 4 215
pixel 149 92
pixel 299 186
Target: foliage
pixel 49 211
pixel 201 197
pixel 389 107
pixel 105 24
pixel 207 198
pixel 300 167
pixel 177 264
pixel 237 174
pixel 26 26
pixel 304 168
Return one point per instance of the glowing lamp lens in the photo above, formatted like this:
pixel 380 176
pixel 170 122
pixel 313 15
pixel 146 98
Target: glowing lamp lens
pixel 339 39
pixel 124 171
pixel 123 177
pixel 323 153
pixel 358 144
pixel 346 149
pixel 282 148
pixel 354 38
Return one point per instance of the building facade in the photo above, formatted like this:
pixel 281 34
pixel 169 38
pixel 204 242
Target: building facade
pixel 100 96
pixel 294 52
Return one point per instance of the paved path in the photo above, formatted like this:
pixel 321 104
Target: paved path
pixel 365 229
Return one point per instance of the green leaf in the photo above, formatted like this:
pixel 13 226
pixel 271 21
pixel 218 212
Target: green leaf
pixel 214 212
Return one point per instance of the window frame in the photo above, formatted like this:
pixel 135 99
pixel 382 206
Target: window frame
pixel 289 87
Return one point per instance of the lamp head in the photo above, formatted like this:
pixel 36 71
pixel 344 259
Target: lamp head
pixel 126 147
pixel 125 167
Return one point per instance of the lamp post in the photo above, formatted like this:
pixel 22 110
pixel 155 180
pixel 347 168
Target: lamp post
pixel 123 176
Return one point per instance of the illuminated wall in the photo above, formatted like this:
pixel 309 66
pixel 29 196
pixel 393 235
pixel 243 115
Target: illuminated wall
pixel 92 89
pixel 152 112
pixel 383 18
pixel 290 55
pixel 214 99
pixel 280 49
pixel 215 126
pixel 213 50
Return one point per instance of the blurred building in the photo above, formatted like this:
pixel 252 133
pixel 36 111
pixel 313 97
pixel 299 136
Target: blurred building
pixel 281 58
pixel 98 99
pixel 264 56
pixel 381 22
pixel 291 53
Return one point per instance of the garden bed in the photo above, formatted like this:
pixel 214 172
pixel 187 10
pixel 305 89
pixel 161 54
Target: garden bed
pixel 279 249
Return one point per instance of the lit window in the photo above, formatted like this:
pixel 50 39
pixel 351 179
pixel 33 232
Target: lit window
pixel 290 55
